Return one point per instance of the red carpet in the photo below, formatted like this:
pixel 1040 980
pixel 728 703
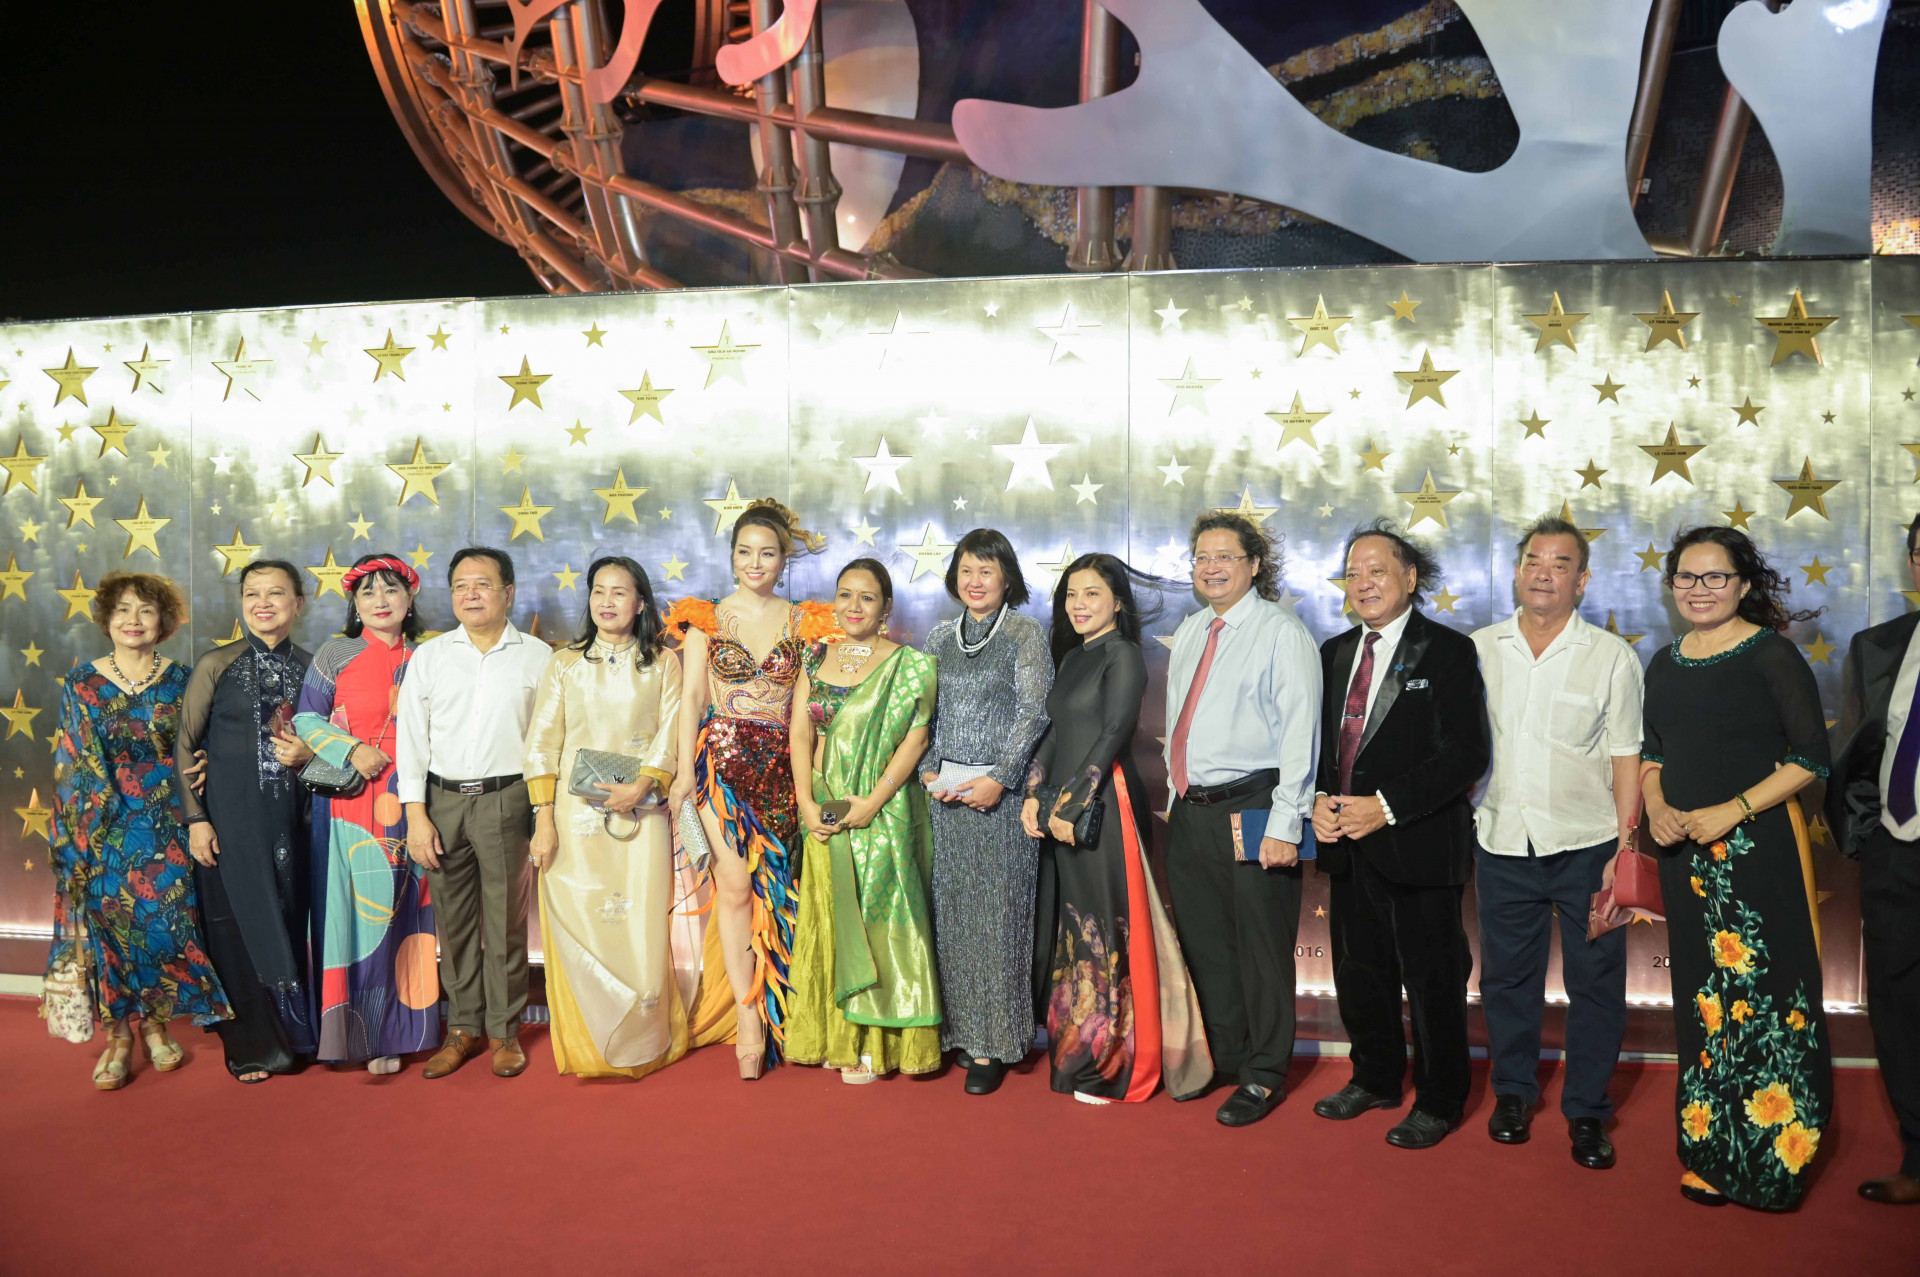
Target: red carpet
pixel 693 1171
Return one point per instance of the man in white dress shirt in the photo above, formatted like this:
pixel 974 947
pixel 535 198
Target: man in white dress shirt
pixel 1564 698
pixel 1243 715
pixel 464 706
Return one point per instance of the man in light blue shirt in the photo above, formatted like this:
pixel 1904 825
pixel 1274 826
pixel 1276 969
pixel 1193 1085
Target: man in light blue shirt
pixel 1243 705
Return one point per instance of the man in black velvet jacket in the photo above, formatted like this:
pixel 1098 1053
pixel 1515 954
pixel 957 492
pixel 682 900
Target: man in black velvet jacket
pixel 1404 739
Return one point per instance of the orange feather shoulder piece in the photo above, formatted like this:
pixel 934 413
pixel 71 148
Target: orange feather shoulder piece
pixel 816 622
pixel 689 613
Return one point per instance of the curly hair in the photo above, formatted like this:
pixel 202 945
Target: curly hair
pixel 774 516
pixel 1411 551
pixel 148 587
pixel 1765 602
pixel 1255 542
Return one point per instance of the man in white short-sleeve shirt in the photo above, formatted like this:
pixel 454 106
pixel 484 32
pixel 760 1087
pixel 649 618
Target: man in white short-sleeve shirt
pixel 1564 698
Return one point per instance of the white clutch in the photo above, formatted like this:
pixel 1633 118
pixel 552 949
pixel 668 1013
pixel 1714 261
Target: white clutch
pixel 952 774
pixel 693 836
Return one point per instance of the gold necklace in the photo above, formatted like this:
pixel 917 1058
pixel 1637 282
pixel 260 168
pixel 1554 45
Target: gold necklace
pixel 854 657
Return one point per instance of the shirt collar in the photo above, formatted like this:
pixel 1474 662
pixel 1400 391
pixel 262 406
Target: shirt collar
pixel 1240 613
pixel 259 644
pixel 508 636
pixel 1577 630
pixel 1392 631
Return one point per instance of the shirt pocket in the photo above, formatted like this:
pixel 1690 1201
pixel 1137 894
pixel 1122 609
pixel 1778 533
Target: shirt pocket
pixel 1574 722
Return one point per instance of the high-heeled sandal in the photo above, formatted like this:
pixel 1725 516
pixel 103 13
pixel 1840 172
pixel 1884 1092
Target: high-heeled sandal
pixel 162 1051
pixel 753 1064
pixel 1695 1189
pixel 115 1068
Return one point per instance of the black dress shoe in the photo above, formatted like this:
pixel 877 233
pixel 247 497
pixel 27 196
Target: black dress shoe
pixel 1895 1190
pixel 985 1079
pixel 1702 1196
pixel 1591 1147
pixel 1421 1130
pixel 1510 1123
pixel 1247 1105
pixel 1351 1101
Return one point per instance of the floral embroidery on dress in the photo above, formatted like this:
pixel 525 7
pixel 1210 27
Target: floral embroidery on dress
pixel 1752 1090
pixel 1091 1013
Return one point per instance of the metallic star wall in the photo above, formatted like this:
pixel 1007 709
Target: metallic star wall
pixel 1075 413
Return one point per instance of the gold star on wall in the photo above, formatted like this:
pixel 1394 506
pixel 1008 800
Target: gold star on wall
pixel 146 371
pixel 526 385
pixel 329 575
pixel 79 599
pixel 1819 650
pixel 1444 601
pixel 72 380
pixel 387 358
pixel 526 515
pixel 32 653
pixel 13 582
pixel 619 499
pixel 241 372
pixel 1321 329
pixel 1428 502
pixel 1613 627
pixel 237 554
pixel 1424 382
pixel 567 577
pixel 113 435
pixel 1403 309
pixel 1609 390
pixel 1374 458
pixel 1189 391
pixel 929 556
pixel 30 531
pixel 1066 335
pixel 577 433
pixel 594 334
pixel 726 359
pixel 1671 456
pixel 1816 571
pixel 1256 514
pixel 20 467
pixel 439 336
pixel 1590 477
pixel 675 568
pixel 1535 424
pixel 1738 516
pixel 1652 559
pixel 314 345
pixel 1556 326
pixel 1748 413
pixel 1667 323
pixel 34 818
pixel 510 461
pixel 159 454
pixel 418 474
pixel 362 527
pixel 80 505
pixel 728 509
pixel 420 555
pixel 1914 448
pixel 863 534
pixel 1591 534
pixel 234 637
pixel 1297 424
pixel 646 400
pixel 1807 492
pixel 140 530
pixel 1796 331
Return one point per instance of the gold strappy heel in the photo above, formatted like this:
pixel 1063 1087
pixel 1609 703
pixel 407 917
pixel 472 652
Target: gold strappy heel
pixel 162 1050
pixel 115 1068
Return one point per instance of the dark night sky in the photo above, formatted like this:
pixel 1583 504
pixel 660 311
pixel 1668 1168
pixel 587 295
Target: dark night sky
pixel 155 160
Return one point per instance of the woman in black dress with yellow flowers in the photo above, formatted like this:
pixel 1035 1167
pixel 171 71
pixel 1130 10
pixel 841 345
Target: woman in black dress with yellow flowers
pixel 1733 729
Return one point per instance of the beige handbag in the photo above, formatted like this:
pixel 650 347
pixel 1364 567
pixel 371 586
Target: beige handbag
pixel 66 1004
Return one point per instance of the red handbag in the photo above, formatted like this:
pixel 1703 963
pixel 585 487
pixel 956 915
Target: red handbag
pixel 1636 882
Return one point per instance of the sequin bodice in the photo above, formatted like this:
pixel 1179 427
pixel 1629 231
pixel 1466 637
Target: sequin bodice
pixel 759 691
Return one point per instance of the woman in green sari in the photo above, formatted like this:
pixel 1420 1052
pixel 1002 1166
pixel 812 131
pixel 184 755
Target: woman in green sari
pixel 865 996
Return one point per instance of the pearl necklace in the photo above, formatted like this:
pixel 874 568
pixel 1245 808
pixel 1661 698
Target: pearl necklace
pixel 974 649
pixel 133 688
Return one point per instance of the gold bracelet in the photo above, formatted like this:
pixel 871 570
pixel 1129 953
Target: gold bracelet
pixel 1744 806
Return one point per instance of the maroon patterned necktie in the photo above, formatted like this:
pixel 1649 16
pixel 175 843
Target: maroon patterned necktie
pixel 1354 721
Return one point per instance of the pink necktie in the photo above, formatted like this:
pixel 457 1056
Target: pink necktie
pixel 1193 700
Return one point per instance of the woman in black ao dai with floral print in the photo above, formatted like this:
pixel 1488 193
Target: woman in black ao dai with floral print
pixel 1734 728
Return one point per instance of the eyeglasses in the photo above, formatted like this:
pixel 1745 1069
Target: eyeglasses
pixel 1712 580
pixel 1224 560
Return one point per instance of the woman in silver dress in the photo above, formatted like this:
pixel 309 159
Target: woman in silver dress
pixel 995 671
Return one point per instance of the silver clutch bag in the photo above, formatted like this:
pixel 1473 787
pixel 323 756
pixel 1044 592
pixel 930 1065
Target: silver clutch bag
pixel 693 836
pixel 323 778
pixel 593 767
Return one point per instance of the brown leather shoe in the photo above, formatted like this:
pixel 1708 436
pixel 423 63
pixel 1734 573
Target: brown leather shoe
pixel 508 1059
pixel 459 1046
pixel 1895 1190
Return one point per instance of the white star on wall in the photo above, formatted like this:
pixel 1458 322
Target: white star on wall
pixel 883 468
pixel 1029 458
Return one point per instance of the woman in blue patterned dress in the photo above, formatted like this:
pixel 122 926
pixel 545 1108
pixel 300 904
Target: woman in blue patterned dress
pixel 126 921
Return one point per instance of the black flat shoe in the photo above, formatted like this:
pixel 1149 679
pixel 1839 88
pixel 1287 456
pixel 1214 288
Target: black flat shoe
pixel 1591 1147
pixel 1351 1101
pixel 1510 1123
pixel 985 1079
pixel 1247 1105
pixel 1421 1130
pixel 1702 1196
